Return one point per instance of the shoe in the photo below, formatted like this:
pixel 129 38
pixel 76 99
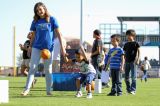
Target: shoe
pixel 79 94
pixel 49 93
pixel 119 94
pixel 108 85
pixel 25 93
pixel 34 82
pixel 89 95
pixel 128 92
pixel 133 92
pixel 111 94
pixel 145 80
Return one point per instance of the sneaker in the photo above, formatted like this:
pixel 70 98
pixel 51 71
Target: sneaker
pixel 89 95
pixel 111 94
pixel 145 80
pixel 128 92
pixel 34 82
pixel 119 94
pixel 49 93
pixel 25 93
pixel 79 94
pixel 133 92
pixel 108 85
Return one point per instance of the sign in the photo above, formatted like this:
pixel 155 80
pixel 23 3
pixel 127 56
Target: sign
pixel 68 67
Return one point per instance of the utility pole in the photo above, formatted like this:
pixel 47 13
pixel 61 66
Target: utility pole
pixel 81 22
pixel 14 51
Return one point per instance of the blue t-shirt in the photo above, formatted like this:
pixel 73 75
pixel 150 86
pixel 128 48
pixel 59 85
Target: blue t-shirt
pixel 114 55
pixel 44 33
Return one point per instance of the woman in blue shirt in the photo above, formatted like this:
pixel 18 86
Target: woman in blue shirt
pixel 43 27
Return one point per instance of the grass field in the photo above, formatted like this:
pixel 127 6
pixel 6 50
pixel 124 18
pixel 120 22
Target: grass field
pixel 148 94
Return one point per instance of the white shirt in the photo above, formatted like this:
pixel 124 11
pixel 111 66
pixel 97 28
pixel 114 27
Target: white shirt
pixel 86 68
pixel 146 64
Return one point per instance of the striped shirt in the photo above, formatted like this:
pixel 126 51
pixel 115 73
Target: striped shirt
pixel 114 56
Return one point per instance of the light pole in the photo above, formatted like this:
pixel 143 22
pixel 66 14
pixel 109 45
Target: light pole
pixel 81 22
pixel 14 51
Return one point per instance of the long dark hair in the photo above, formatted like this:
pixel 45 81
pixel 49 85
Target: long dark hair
pixel 36 16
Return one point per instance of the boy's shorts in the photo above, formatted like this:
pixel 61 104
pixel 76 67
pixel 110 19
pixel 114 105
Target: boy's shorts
pixel 88 78
pixel 25 62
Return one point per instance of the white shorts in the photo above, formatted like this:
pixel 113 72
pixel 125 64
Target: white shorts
pixel 26 62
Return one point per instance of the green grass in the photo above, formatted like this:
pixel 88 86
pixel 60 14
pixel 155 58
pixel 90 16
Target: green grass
pixel 148 94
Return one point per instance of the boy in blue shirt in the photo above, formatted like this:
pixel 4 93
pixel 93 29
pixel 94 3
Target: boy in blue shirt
pixel 115 59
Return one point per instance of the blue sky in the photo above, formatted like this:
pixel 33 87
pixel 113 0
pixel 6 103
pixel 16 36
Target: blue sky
pixel 19 13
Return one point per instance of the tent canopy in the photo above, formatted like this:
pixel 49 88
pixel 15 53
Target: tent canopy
pixel 134 18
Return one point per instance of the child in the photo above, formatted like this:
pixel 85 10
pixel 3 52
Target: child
pixel 43 27
pixel 87 72
pixel 115 59
pixel 26 58
pixel 97 51
pixel 147 67
pixel 132 54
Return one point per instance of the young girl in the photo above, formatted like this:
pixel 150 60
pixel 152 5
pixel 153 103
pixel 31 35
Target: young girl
pixel 87 72
pixel 43 27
